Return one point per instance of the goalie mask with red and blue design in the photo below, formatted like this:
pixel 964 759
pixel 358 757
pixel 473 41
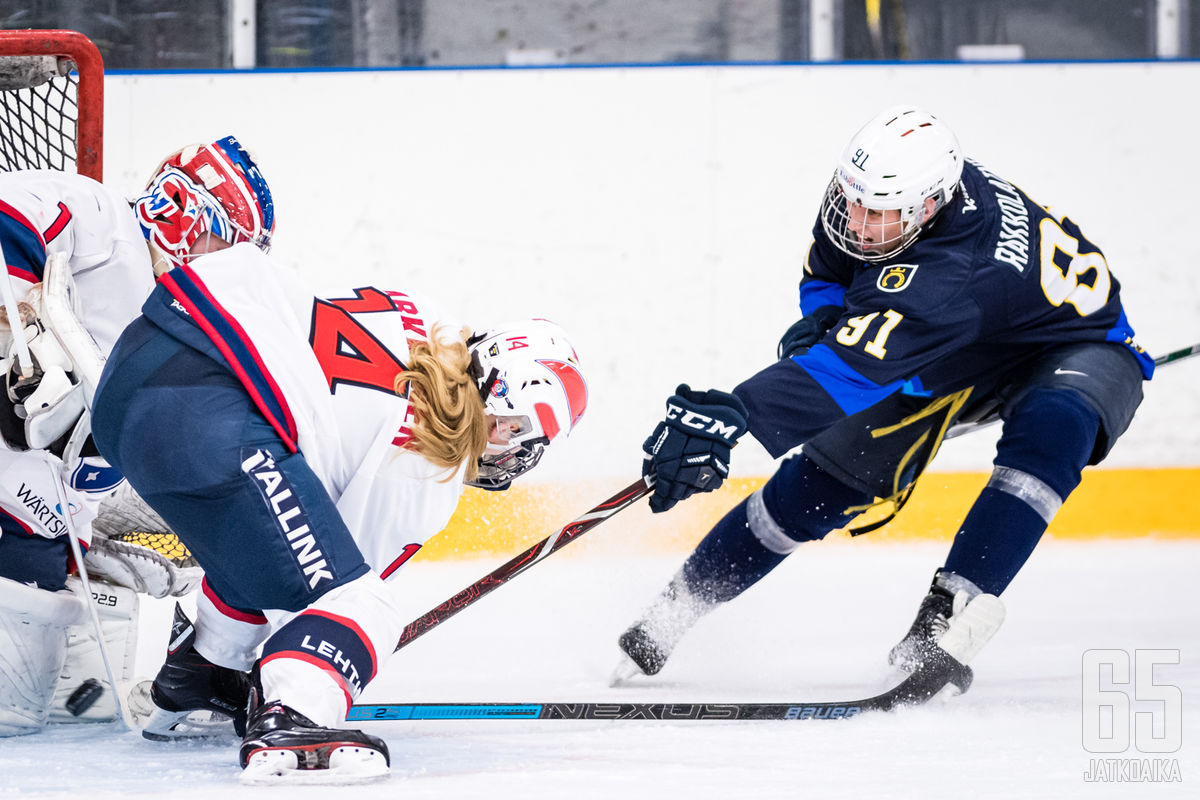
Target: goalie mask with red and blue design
pixel 205 189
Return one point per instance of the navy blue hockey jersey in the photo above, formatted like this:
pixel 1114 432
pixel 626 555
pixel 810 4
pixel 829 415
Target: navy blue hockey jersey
pixel 993 280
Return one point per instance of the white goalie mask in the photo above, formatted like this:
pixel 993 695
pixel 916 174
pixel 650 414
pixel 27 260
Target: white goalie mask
pixel 893 177
pixel 530 380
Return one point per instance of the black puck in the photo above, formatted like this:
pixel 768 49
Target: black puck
pixel 84 697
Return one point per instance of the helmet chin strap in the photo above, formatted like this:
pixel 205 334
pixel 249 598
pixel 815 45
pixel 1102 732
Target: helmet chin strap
pixel 158 260
pixel 485 384
pixel 485 388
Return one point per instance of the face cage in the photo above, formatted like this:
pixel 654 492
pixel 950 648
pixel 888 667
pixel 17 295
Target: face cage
pixel 239 234
pixel 221 224
pixel 212 218
pixel 835 219
pixel 205 224
pixel 497 470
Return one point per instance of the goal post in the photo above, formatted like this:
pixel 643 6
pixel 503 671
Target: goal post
pixel 51 102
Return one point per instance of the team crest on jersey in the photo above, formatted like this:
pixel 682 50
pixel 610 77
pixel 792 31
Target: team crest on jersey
pixel 896 278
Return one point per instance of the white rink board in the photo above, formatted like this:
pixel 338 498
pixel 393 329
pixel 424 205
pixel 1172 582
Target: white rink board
pixel 661 214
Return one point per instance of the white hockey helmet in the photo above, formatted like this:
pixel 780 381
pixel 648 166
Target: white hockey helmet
pixel 530 379
pixel 896 162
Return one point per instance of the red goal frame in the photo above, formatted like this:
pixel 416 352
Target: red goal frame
pixel 72 45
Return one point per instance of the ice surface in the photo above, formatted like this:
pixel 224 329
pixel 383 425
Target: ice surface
pixel 818 628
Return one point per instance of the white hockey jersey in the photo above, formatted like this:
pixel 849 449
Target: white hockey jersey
pixel 323 370
pixel 44 212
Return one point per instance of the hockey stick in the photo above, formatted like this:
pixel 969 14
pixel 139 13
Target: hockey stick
pixel 912 691
pixel 1177 355
pixel 91 695
pixel 501 575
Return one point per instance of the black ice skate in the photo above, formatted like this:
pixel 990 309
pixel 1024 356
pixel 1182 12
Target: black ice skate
pixel 933 619
pixel 956 619
pixel 283 746
pixel 648 643
pixel 191 697
pixel 643 651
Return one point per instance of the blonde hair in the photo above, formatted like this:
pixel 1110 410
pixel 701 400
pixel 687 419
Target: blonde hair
pixel 450 426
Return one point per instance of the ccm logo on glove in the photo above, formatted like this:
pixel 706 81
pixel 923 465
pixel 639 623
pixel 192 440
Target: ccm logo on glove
pixel 701 422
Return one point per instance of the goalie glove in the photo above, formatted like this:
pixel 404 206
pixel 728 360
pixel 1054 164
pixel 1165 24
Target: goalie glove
pixel 47 402
pixel 132 546
pixel 688 452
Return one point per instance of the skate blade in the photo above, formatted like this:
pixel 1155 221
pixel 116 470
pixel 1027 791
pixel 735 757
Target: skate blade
pixel 625 673
pixel 348 765
pixel 160 725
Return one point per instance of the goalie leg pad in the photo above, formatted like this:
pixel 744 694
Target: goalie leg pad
pixel 33 646
pixel 117 608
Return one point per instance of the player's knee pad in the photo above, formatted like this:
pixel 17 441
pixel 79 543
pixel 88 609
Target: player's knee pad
pixel 33 641
pixel 323 657
pixel 801 502
pixel 1049 437
pixel 117 608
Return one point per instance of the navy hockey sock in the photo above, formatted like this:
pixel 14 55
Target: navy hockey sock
pixel 1047 441
pixel 729 560
pixel 801 502
pixel 995 540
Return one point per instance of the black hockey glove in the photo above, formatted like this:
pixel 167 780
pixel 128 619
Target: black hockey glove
pixel 807 331
pixel 689 450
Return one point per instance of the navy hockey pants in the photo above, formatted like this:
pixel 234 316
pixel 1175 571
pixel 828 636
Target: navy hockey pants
pixel 188 438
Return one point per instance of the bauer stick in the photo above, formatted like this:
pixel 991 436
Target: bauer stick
pixel 914 690
pixel 501 575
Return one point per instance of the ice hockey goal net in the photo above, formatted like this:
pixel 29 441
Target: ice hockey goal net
pixel 51 102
